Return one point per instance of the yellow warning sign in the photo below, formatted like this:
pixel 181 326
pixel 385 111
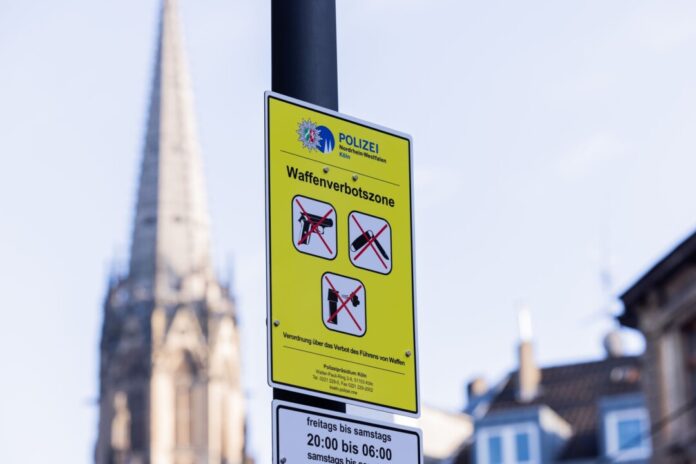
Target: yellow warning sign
pixel 341 302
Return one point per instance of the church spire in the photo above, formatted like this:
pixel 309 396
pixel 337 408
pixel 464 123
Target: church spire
pixel 169 375
pixel 171 231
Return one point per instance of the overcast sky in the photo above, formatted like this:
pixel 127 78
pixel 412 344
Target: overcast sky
pixel 551 139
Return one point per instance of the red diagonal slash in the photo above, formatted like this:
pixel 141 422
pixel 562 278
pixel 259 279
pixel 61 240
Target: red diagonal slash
pixel 343 303
pixel 315 226
pixel 370 242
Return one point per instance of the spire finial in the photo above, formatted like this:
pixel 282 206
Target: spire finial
pixel 171 232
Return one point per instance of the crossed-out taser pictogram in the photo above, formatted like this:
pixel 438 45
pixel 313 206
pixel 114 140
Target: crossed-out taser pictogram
pixel 344 303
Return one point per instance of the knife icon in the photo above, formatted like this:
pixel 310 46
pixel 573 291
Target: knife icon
pixel 363 240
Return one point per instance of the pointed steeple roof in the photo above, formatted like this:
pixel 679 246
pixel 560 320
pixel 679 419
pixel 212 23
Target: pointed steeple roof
pixel 171 231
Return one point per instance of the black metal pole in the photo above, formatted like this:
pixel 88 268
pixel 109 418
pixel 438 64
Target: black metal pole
pixel 304 66
pixel 303 36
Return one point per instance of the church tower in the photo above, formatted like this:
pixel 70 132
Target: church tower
pixel 170 390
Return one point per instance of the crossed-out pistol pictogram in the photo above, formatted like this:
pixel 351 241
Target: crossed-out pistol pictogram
pixel 314 218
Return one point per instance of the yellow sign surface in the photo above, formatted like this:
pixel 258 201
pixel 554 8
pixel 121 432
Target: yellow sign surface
pixel 341 301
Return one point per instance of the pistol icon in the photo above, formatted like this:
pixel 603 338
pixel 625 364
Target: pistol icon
pixel 362 241
pixel 308 221
pixel 332 297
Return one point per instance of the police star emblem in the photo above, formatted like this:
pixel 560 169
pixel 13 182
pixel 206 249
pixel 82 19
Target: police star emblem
pixel 309 135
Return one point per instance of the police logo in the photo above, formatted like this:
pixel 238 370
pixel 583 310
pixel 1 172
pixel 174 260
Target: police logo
pixel 315 137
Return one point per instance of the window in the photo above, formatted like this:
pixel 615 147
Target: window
pixel 510 444
pixel 630 433
pixel 138 430
pixel 627 434
pixel 495 449
pixel 184 405
pixel 689 335
pixel 522 446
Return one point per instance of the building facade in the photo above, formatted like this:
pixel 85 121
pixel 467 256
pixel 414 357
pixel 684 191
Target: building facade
pixel 662 306
pixel 590 412
pixel 170 388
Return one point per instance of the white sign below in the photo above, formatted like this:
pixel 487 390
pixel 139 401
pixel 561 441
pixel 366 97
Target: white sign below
pixel 303 434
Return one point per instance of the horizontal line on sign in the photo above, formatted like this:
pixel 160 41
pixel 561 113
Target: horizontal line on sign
pixel 338 167
pixel 344 360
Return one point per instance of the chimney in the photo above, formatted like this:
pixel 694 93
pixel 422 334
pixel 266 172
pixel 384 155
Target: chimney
pixel 528 374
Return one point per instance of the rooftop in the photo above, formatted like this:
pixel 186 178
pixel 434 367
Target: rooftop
pixel 573 392
pixel 684 252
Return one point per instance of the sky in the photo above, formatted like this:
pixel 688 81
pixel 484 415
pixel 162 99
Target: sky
pixel 552 141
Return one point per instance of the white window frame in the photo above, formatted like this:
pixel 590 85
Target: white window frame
pixel 611 427
pixel 507 435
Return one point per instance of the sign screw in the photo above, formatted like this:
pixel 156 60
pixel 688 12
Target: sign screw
pixel 326 169
pixel 408 353
pixel 355 177
pixel 283 460
pixel 276 323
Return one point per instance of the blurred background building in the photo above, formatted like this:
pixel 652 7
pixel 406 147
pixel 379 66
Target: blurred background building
pixel 586 412
pixel 170 390
pixel 662 305
pixel 624 408
pixel 583 412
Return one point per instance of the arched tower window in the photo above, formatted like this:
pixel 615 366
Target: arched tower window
pixel 138 410
pixel 184 404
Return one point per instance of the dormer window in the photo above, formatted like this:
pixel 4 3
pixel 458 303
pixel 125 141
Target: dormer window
pixel 522 449
pixel 509 444
pixel 495 449
pixel 627 434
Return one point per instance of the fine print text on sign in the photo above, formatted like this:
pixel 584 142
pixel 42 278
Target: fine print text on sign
pixel 341 302
pixel 304 434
